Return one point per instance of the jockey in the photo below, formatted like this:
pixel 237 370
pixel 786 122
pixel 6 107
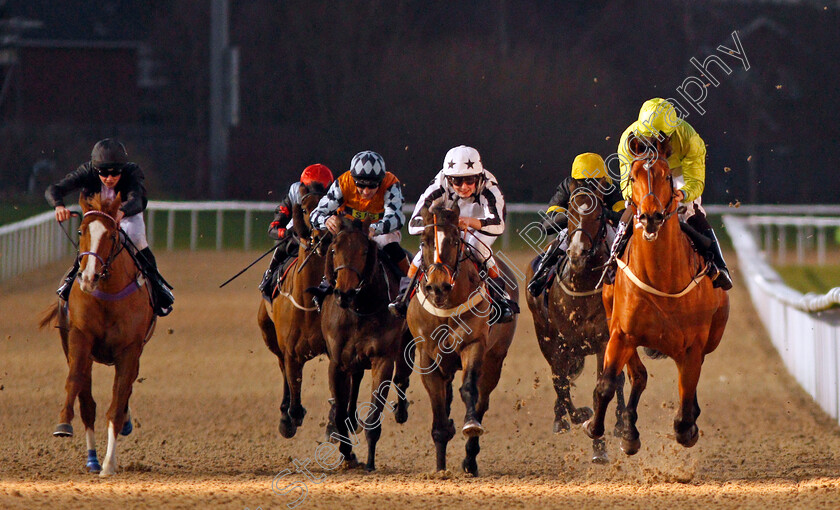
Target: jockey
pixel 369 193
pixel 280 228
pixel 589 169
pixel 658 117
pixel 109 173
pixel 463 179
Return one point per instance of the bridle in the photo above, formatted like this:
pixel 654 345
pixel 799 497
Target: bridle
pixel 116 247
pixel 364 274
pixel 648 163
pixel 439 264
pixel 601 234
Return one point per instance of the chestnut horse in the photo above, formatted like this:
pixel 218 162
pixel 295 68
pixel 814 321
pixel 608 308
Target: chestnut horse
pixel 450 317
pixel 660 300
pixel 569 318
pixel 291 324
pixel 108 319
pixel 362 334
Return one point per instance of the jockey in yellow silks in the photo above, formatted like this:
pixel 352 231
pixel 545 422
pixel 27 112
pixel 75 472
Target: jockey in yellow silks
pixel 688 167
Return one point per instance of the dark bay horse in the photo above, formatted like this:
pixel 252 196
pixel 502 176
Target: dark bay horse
pixel 361 334
pixel 450 317
pixel 569 319
pixel 108 319
pixel 661 300
pixel 291 324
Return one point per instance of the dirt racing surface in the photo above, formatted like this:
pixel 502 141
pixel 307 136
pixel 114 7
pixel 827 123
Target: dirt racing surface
pixel 206 408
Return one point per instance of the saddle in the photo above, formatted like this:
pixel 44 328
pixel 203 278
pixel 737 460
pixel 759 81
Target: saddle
pixel 280 274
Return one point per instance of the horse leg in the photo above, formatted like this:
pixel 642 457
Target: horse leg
pixel 355 385
pixel 340 382
pixel 402 373
pixel 87 409
pixel 578 415
pixel 491 370
pixel 560 378
pixel 471 359
pixel 127 366
pixel 382 371
pixel 293 418
pixel 685 423
pixel 630 442
pixel 78 358
pixel 443 429
pixel 615 358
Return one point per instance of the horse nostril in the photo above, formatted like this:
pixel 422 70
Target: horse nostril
pixel 428 289
pixel 447 287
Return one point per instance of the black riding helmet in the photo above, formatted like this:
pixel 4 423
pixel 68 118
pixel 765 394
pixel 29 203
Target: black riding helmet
pixel 108 153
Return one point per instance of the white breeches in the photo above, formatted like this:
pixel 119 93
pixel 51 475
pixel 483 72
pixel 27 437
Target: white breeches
pixel 391 237
pixel 135 227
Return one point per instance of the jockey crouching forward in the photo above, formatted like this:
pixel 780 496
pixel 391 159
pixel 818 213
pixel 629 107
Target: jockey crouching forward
pixel 109 173
pixel 464 180
pixel 589 169
pixel 369 193
pixel 658 117
pixel 280 229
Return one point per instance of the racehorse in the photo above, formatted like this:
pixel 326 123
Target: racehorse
pixel 108 319
pixel 660 300
pixel 450 317
pixel 569 318
pixel 362 334
pixel 291 324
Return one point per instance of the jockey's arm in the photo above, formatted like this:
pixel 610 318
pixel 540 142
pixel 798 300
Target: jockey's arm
pixel 392 218
pixel 693 163
pixel 493 222
pixel 433 192
pixel 327 207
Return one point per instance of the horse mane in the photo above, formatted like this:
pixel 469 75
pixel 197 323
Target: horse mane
pixel 639 144
pixel 96 203
pixel 446 210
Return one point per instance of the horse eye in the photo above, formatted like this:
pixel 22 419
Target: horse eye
pixel 79 231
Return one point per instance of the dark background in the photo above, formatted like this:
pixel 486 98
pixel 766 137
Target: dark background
pixel 530 84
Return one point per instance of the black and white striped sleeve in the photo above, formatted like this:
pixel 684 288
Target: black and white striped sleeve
pixel 433 192
pixel 328 205
pixel 393 217
pixel 493 202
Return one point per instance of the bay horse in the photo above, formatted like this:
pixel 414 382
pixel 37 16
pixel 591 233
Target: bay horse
pixel 291 324
pixel 361 334
pixel 450 317
pixel 660 300
pixel 108 319
pixel 569 318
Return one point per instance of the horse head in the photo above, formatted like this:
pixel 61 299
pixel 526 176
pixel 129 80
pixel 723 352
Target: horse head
pixel 442 247
pixel 98 239
pixel 587 221
pixel 652 182
pixel 310 237
pixel 351 261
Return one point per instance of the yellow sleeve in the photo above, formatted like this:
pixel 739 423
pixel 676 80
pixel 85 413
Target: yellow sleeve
pixel 693 162
pixel 625 159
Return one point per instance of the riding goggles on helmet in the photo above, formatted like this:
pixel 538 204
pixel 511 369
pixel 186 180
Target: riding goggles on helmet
pixel 366 184
pixel 109 170
pixel 461 180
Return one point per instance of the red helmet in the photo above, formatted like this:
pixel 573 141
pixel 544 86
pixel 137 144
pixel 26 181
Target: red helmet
pixel 317 173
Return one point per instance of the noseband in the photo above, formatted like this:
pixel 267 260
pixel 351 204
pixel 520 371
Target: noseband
pixel 116 247
pixel 601 234
pixel 451 272
pixel 648 163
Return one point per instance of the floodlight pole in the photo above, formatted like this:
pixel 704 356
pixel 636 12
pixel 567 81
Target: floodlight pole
pixel 219 101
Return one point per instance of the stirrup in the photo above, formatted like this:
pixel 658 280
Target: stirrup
pixel 721 279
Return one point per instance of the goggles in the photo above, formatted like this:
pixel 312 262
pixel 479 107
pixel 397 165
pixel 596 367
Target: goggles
pixel 460 181
pixel 366 184
pixel 109 170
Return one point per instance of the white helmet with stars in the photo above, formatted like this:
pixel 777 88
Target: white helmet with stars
pixel 462 161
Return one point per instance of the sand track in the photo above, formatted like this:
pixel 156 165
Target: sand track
pixel 207 406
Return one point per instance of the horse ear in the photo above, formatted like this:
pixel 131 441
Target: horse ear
pixel 456 209
pixel 329 266
pixel 372 255
pixel 665 146
pixel 84 203
pixel 358 225
pixel 635 145
pixel 298 223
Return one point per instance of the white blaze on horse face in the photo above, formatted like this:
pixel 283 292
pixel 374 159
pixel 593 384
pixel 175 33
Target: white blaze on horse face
pixel 440 237
pixel 97 231
pixel 576 244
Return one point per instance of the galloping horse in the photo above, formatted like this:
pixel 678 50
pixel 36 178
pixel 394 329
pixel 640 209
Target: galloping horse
pixel 362 334
pixel 569 318
pixel 291 324
pixel 661 300
pixel 108 319
pixel 450 318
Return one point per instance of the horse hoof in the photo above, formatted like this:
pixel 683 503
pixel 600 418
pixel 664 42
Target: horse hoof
pixel 581 415
pixel 587 429
pixel 299 420
pixel 618 431
pixel 600 458
pixel 287 427
pixel 93 467
pixel 370 468
pixel 350 462
pixel 472 429
pixel 127 428
pixel 689 438
pixel 631 446
pixel 63 430
pixel 470 466
pixel 561 426
pixel 402 412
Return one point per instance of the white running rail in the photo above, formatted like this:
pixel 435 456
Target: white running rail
pixel 805 329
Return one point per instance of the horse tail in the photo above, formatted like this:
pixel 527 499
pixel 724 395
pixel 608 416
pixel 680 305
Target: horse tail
pixel 654 354
pixel 48 315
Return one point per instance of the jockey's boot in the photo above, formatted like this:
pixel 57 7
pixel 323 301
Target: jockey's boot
pixel 537 284
pixel 721 280
pixel 163 298
pixel 399 306
pixel 320 292
pixel 276 259
pixel 623 233
pixel 507 307
pixel 64 291
pixel 404 265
